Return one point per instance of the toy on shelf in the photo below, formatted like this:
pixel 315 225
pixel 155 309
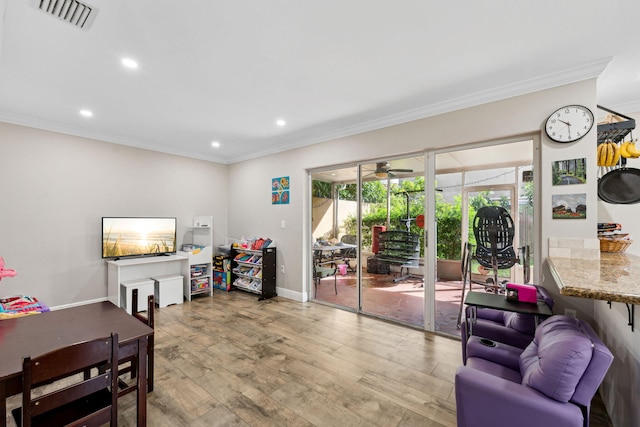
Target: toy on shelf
pixel 5 272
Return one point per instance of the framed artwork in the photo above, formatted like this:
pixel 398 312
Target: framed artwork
pixel 569 172
pixel 280 190
pixel 569 206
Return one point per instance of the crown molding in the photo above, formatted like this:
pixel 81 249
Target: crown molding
pixel 100 136
pixel 548 81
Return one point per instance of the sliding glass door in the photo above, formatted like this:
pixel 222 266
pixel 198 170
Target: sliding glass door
pixel 466 180
pixel 370 221
pixel 368 238
pixel 334 214
pixel 392 203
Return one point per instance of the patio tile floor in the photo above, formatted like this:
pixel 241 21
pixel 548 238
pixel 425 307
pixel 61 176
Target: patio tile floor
pixel 402 301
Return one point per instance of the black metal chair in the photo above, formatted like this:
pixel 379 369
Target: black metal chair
pixel 494 231
pixel 349 254
pixel 320 271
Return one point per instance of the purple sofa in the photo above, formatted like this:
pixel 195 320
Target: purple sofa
pixel 549 383
pixel 506 327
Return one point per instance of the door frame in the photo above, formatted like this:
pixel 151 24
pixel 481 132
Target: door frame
pixel 430 220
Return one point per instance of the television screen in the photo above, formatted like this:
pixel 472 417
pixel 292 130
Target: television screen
pixel 127 237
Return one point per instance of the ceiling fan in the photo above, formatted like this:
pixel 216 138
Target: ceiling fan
pixel 384 170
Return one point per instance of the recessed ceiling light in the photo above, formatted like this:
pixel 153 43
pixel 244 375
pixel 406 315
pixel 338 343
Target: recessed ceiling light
pixel 86 113
pixel 215 144
pixel 129 63
pixel 280 122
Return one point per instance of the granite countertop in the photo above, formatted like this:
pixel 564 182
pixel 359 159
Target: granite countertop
pixel 614 277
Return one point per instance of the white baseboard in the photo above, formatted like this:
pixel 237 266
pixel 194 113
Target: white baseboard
pixel 293 295
pixel 284 293
pixel 76 304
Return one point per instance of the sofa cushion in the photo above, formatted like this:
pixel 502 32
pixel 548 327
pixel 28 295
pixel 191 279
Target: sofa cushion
pixel 524 323
pixel 557 358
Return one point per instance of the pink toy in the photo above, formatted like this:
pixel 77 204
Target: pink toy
pixel 5 272
pixel 526 293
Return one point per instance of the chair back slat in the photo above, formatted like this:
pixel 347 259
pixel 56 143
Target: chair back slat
pixel 55 364
pixel 80 398
pixel 69 394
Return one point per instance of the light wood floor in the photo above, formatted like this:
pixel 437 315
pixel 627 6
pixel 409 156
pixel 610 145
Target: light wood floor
pixel 231 360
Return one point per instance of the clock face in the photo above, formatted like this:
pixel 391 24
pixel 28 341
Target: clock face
pixel 570 123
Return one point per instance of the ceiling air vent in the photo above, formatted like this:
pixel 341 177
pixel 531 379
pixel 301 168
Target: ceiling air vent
pixel 78 14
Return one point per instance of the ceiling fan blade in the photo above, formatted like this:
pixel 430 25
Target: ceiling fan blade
pixel 399 170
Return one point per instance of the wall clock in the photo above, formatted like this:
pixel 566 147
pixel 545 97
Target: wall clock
pixel 569 123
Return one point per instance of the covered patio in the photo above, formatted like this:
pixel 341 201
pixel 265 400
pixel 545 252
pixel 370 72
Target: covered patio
pixel 358 201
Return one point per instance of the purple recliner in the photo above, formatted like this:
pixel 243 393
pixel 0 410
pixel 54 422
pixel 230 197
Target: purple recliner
pixel 503 326
pixel 549 383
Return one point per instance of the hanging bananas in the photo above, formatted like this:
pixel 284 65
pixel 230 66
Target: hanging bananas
pixel 628 150
pixel 601 156
pixel 608 154
pixel 616 154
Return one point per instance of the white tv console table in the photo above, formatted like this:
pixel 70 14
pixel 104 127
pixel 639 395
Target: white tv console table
pixel 124 270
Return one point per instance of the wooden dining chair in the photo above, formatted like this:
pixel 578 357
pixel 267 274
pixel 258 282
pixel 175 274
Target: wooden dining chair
pixel 148 319
pixel 90 399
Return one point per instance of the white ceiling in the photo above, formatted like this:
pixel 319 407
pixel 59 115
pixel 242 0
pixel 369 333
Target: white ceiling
pixel 226 70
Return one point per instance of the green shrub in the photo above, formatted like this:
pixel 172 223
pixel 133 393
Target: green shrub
pixel 449 224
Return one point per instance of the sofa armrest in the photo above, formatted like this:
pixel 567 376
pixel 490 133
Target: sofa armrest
pixel 500 353
pixel 496 332
pixel 484 400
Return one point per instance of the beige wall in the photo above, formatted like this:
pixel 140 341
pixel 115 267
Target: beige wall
pixel 54 190
pixel 322 217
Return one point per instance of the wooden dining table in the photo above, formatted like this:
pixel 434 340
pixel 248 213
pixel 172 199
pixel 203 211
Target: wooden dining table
pixel 41 333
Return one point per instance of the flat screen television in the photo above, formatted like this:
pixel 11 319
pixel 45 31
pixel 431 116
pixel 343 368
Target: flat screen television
pixel 137 237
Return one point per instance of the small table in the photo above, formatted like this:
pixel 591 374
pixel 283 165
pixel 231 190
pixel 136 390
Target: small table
pixel 41 333
pixel 332 258
pixel 500 302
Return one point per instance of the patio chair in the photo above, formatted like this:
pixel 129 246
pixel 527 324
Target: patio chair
pixel 320 271
pixel 349 254
pixel 494 231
